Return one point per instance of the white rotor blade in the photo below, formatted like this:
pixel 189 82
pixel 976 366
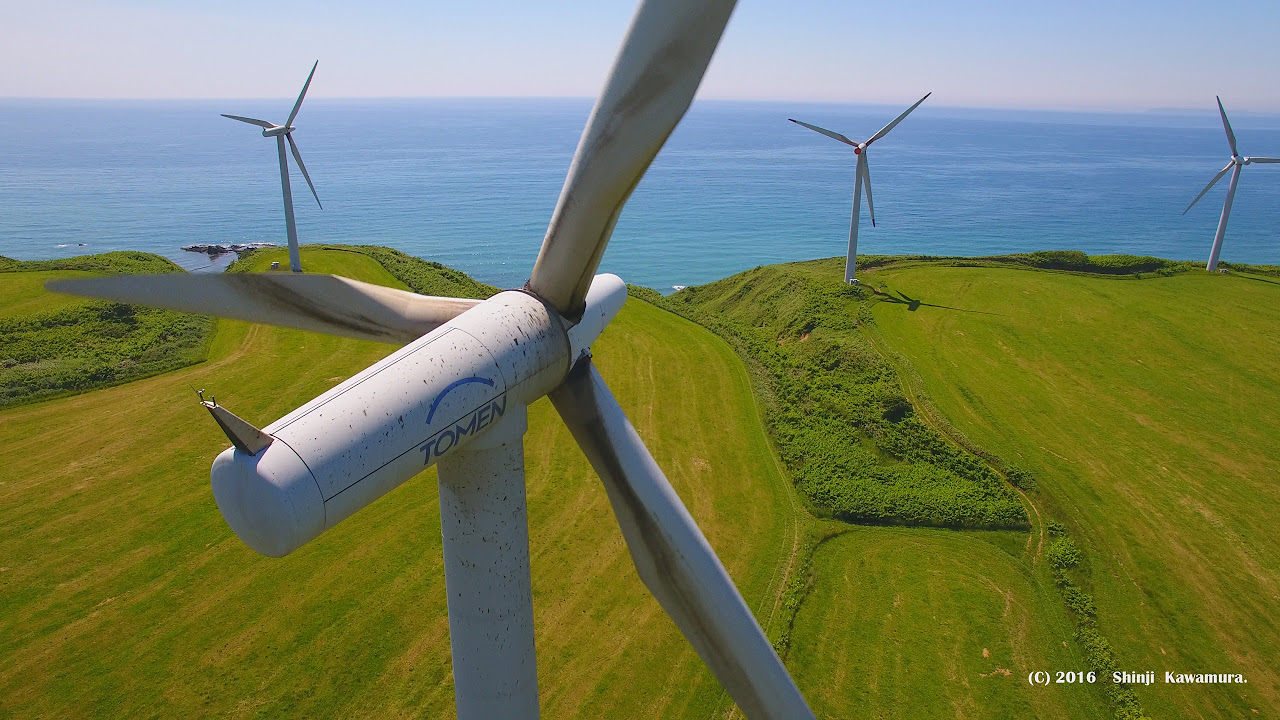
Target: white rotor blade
pixel 652 82
pixel 1231 136
pixel 885 130
pixel 829 133
pixel 298 156
pixel 1212 182
pixel 319 303
pixel 671 555
pixel 864 166
pixel 251 121
pixel 1264 160
pixel 298 105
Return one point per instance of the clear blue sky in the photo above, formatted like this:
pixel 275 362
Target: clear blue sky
pixel 1103 55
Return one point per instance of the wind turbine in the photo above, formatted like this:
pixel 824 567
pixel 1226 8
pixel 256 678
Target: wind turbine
pixel 862 178
pixel 284 133
pixel 456 396
pixel 1237 162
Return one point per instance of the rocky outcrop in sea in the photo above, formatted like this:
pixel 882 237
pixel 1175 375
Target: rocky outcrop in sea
pixel 216 249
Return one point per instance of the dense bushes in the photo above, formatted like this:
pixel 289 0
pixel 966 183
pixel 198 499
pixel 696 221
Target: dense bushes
pixel 836 410
pixel 95 344
pixel 1063 555
pixel 92 346
pixel 112 262
pixel 1020 478
pixel 1068 260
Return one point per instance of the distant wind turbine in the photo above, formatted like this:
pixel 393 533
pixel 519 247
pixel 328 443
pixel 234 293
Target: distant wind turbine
pixel 1236 163
pixel 862 178
pixel 282 133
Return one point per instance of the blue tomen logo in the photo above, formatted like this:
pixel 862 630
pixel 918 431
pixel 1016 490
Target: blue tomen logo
pixel 475 421
pixel 456 383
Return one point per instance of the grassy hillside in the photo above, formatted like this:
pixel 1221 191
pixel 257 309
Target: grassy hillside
pixel 1149 412
pixel 884 621
pixel 421 276
pixel 123 593
pixel 843 426
pixel 53 345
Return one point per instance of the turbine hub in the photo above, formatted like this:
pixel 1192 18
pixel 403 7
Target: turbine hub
pixel 278 130
pixel 858 150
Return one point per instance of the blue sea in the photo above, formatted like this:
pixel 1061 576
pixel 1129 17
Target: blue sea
pixel 472 182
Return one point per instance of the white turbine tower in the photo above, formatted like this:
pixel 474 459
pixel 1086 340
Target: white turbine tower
pixel 862 178
pixel 1237 162
pixel 282 133
pixel 457 394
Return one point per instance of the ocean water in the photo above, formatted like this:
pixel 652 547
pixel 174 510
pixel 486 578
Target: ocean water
pixel 472 183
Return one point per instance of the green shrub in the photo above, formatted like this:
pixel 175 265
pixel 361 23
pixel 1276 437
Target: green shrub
pixel 1079 602
pixel 1062 553
pixel 646 294
pixel 1020 478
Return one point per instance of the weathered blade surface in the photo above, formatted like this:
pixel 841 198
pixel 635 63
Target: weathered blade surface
pixel 671 555
pixel 885 130
pixel 652 82
pixel 298 105
pixel 1212 182
pixel 298 157
pixel 829 133
pixel 319 303
pixel 1226 125
pixel 1264 160
pixel 864 166
pixel 251 121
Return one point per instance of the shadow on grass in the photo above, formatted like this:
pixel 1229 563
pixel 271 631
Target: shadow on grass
pixel 1257 279
pixel 914 304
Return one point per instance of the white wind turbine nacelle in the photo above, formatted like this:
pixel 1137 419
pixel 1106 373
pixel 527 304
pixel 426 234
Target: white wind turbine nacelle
pixel 1234 165
pixel 861 180
pixel 400 416
pixel 456 395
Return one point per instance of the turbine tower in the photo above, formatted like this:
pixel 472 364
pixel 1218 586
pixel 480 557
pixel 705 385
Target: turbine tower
pixel 456 395
pixel 861 179
pixel 1237 162
pixel 284 133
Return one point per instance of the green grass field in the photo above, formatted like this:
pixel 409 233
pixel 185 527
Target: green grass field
pixel 24 293
pixel 1149 412
pixel 123 593
pixel 932 623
